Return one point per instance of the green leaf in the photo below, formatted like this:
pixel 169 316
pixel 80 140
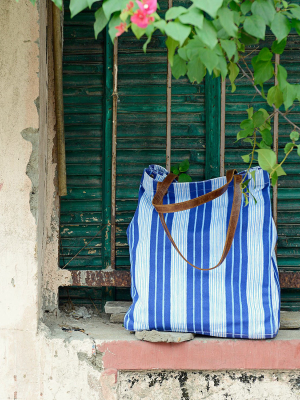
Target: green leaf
pixel 263 71
pixel 281 76
pixel 250 112
pixel 265 9
pixel 161 25
pixel 101 22
pixel 178 31
pixel 247 39
pixel 226 19
pixel 288 147
pixel 138 32
pixel 263 145
pixel 255 26
pixel 171 45
pixel 243 134
pixel 279 171
pixel 246 158
pixel 267 136
pixel 264 55
pixel 233 73
pixel 207 34
pixel 175 170
pixel 258 119
pixel 266 159
pixel 179 67
pixel 247 124
pixel 275 96
pixel 76 6
pixel 174 12
pixel 296 11
pixel 209 58
pixel 229 46
pixel 280 26
pixel 298 150
pixel 246 6
pixel 222 66
pixel 149 31
pixel 184 178
pixel 196 70
pixel 252 173
pixel 184 166
pixel 111 6
pixel 274 178
pixel 211 7
pixel 294 136
pixel 278 47
pixel 248 140
pixel 115 20
pixel 58 3
pixel 193 17
pixel 289 95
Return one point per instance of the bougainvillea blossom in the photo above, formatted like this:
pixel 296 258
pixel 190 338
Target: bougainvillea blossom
pixel 148 6
pixel 121 28
pixel 129 6
pixel 141 19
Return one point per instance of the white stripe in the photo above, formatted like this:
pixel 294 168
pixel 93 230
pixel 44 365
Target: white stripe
pixel 256 328
pixel 178 316
pixel 217 291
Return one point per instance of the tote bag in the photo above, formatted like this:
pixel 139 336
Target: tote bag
pixel 235 291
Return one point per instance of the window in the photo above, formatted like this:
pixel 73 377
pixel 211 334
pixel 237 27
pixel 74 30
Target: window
pixel 87 211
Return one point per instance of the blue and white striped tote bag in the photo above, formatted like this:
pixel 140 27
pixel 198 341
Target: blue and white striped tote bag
pixel 177 226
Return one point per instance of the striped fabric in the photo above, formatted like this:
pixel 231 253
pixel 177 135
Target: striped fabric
pixel 240 298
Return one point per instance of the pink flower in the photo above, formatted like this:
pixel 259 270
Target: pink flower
pixel 148 6
pixel 121 28
pixel 141 19
pixel 129 6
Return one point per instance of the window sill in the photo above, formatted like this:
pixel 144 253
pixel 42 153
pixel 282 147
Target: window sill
pixel 122 351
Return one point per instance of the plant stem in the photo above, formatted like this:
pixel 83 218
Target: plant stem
pixel 279 165
pixel 275 108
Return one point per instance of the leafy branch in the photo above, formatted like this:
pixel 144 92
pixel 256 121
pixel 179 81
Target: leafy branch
pixel 210 37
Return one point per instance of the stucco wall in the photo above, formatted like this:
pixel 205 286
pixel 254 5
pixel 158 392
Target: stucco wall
pixel 37 362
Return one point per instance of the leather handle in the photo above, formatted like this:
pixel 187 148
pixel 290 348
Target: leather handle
pixel 162 189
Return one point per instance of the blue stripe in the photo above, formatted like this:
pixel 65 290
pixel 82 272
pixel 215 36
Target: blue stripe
pixel 205 318
pixel 170 199
pixel 229 273
pixel 190 306
pixel 267 258
pixel 236 276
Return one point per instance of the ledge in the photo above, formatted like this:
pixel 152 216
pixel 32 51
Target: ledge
pixel 122 351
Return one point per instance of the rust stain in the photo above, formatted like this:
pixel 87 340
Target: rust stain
pixel 289 280
pixel 101 278
pixel 1 185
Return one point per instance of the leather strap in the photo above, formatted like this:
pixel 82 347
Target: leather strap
pixel 162 189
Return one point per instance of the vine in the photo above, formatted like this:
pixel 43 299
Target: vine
pixel 210 37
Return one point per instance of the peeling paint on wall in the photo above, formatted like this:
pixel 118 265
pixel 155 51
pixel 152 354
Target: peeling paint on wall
pixel 32 135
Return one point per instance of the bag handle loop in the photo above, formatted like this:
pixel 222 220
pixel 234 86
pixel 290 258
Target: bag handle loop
pixel 162 189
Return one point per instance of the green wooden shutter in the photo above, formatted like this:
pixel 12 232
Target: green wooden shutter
pixel 81 210
pixel 141 138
